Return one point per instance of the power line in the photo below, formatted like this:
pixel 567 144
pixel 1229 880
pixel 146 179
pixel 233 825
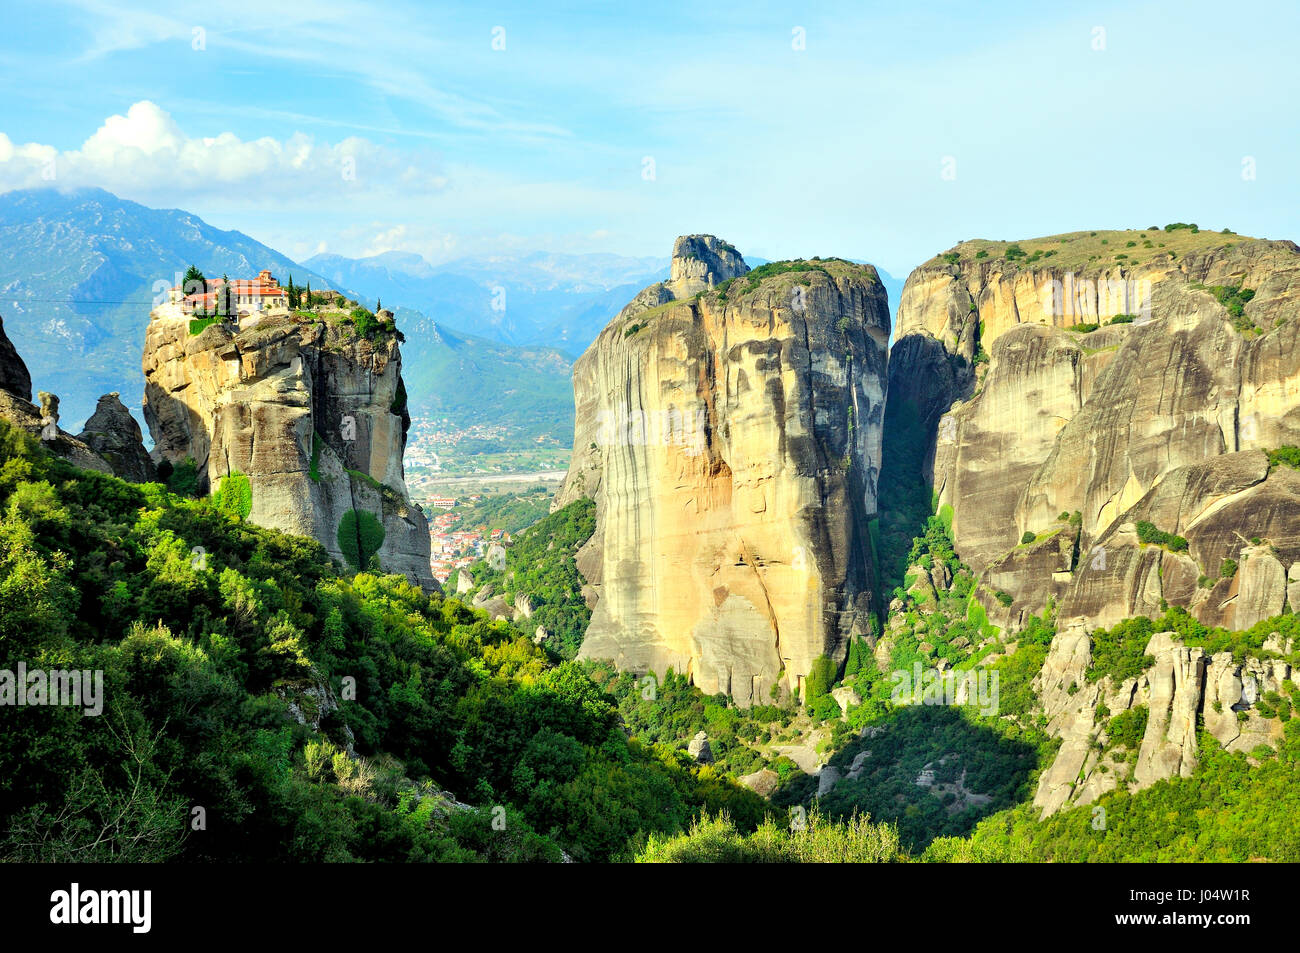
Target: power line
pixel 73 301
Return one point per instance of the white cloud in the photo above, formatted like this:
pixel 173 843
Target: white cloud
pixel 145 154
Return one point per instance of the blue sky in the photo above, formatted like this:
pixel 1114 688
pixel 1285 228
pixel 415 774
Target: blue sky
pixel 357 128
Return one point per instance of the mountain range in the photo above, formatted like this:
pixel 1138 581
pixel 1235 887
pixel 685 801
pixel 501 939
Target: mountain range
pixel 525 299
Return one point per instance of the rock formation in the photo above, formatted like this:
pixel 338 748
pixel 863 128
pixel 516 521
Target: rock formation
pixel 14 378
pixel 113 433
pixel 41 422
pixel 729 430
pixel 1045 418
pixel 312 414
pixel 1182 683
pixel 1097 408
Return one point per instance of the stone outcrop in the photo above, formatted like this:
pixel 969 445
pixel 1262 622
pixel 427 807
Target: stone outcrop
pixel 311 413
pixel 40 422
pixel 114 434
pixel 731 439
pixel 1076 388
pixel 1218 506
pixel 699 263
pixel 1181 684
pixel 700 749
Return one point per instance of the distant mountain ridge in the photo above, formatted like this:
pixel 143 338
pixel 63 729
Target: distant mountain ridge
pixel 531 298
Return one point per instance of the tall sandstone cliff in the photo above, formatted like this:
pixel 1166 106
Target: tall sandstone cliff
pixel 1159 419
pixel 1039 405
pixel 313 414
pixel 729 430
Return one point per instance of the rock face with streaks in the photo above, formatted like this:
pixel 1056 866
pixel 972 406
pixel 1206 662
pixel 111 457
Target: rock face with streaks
pixel 1122 377
pixel 729 430
pixel 1097 409
pixel 311 413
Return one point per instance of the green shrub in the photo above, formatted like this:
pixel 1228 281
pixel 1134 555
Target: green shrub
pixel 1120 651
pixel 821 676
pixel 184 478
pixel 364 322
pixel 1286 455
pixel 1126 729
pixel 234 495
pixel 1028 537
pixel 313 471
pixel 1148 533
pixel 1227 569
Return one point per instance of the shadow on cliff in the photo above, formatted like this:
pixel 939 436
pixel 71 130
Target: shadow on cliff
pixel 924 380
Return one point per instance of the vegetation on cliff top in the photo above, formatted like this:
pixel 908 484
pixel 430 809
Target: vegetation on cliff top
pixel 1120 651
pixel 1092 250
pixel 802 269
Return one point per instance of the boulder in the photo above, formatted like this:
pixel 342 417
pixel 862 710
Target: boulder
pixel 827 778
pixel 762 782
pixel 846 698
pixel 699 748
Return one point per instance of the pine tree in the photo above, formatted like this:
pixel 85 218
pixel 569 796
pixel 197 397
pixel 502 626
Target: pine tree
pixel 194 282
pixel 224 303
pixel 854 663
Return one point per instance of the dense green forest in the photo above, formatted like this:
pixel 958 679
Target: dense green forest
pixel 540 563
pixel 259 704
